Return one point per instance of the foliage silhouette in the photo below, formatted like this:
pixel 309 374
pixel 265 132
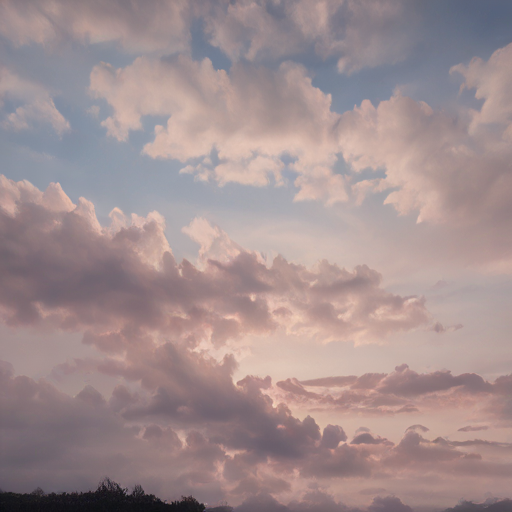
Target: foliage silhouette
pixel 108 497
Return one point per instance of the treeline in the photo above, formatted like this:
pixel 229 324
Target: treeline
pixel 108 497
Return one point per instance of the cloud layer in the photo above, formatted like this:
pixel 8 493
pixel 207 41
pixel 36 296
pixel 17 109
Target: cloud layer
pixel 358 34
pixel 154 322
pixel 131 362
pixel 404 391
pixel 63 269
pixel 250 124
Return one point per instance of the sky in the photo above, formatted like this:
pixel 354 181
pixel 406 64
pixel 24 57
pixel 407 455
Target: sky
pixel 258 251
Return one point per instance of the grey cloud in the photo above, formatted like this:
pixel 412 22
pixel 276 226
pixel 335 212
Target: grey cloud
pixel 91 396
pixel 388 504
pixel 315 501
pixel 368 381
pixel 473 428
pixel 345 461
pixel 332 436
pixel 341 381
pixel 255 485
pixel 491 505
pixel 401 392
pixel 45 428
pixel 60 442
pixel 372 490
pixel 61 268
pixel 421 428
pixel 261 502
pixel 190 389
pixel 367 438
pixel 405 382
pixel 413 449
pixel 293 386
pixel 474 442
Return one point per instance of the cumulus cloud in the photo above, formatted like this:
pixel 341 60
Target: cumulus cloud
pixel 447 169
pixel 213 436
pixel 451 169
pixel 359 34
pixel 439 169
pixel 388 504
pixel 311 501
pixel 149 315
pixel 491 81
pixel 34 104
pixel 62 268
pixel 237 127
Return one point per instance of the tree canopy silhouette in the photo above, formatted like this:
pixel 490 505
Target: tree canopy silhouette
pixel 108 497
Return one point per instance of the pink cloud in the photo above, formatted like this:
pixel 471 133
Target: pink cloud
pixel 62 268
pixel 363 34
pixel 34 104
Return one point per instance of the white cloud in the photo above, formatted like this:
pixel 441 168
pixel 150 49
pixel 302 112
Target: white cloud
pixel 137 26
pixel 35 104
pixel 246 126
pixel 359 33
pixel 253 118
pixel 492 81
pixel 447 169
pixel 443 167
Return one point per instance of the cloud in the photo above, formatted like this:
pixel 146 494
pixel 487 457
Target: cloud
pixel 446 169
pixel 367 438
pixel 400 392
pixel 154 321
pixel 316 501
pixel 214 437
pixel 406 382
pixel 340 381
pixel 419 428
pixel 473 428
pixel 62 268
pixel 261 502
pixel 358 34
pixel 332 436
pixel 388 504
pixel 136 26
pixel 491 505
pixel 249 121
pixel 35 104
pixel 491 81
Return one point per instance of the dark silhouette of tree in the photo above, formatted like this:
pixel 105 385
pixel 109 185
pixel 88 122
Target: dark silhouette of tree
pixel 187 504
pixel 108 497
pixel 138 492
